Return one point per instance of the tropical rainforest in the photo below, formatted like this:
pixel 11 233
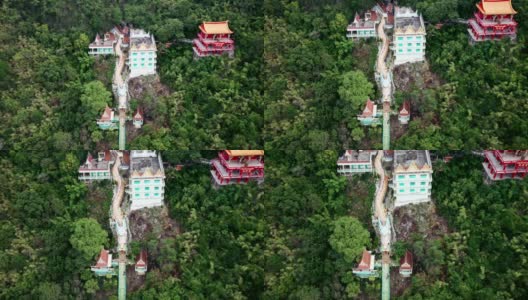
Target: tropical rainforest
pixel 294 88
pixel 298 236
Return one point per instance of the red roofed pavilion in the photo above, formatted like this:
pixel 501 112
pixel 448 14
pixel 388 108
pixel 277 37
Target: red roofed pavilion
pixel 238 167
pixel 405 112
pixel 107 120
pixel 141 262
pixel 370 109
pixel 406 264
pixel 506 164
pixel 138 118
pixel 214 39
pixel 493 21
pixel 365 267
pixel 103 266
pixel 370 114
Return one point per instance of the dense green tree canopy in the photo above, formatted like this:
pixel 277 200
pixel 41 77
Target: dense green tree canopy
pixel 88 237
pixel 349 238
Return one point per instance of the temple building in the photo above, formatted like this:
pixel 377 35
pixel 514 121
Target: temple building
pixel 505 164
pixel 141 263
pixel 103 46
pixel 493 21
pixel 412 177
pixel 370 115
pixel 238 166
pixel 214 39
pixel 409 36
pixel 104 265
pixel 146 186
pixel 363 28
pixel 142 53
pixel 406 264
pixel 355 161
pixel 97 169
pixel 404 114
pixel 365 267
pixel 109 119
pixel 138 118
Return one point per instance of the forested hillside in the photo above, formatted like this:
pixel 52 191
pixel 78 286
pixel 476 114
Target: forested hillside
pixel 312 101
pixel 485 255
pixel 53 91
pixel 295 87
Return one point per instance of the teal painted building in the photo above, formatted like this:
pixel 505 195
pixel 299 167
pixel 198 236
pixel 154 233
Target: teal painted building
pixel 146 186
pixel 103 46
pixel 109 120
pixel 96 169
pixel 370 115
pixel 412 177
pixel 142 53
pixel 409 36
pixel 138 118
pixel 355 162
pixel 141 263
pixel 105 265
pixel 365 268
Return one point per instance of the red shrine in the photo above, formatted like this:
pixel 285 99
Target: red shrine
pixel 506 164
pixel 493 21
pixel 238 166
pixel 214 38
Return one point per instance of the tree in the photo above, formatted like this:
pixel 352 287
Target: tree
pixel 94 98
pixel 349 238
pixel 170 29
pixel 88 237
pixel 355 89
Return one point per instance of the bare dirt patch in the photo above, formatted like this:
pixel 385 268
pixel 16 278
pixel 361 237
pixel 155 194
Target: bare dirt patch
pixel 147 86
pixel 152 221
pixel 410 220
pixel 414 76
pixel 419 218
pixel 146 224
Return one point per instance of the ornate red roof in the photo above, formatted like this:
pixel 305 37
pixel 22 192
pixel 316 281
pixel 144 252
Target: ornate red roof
pixel 141 259
pixel 109 36
pixel 405 108
pixel 369 109
pixel 364 264
pixel 107 155
pixel 496 7
pixel 102 261
pixel 126 158
pixel 107 114
pixel 138 116
pixel 356 18
pixel 406 262
pixel 373 16
pixel 215 27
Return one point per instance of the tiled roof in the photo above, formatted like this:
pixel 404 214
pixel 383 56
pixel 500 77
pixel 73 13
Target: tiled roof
pixel 364 264
pixel 216 27
pixel 406 262
pixel 496 7
pixel 138 116
pixel 107 114
pixel 234 153
pixel 405 109
pixel 369 109
pixel 141 259
pixel 102 261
